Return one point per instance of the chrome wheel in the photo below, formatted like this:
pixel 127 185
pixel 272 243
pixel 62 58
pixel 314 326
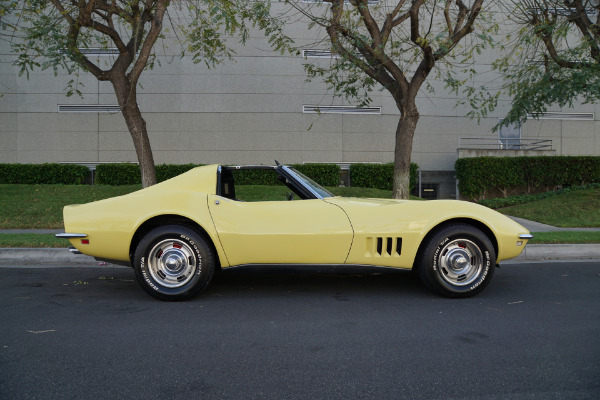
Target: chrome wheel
pixel 457 261
pixel 172 263
pixel 460 262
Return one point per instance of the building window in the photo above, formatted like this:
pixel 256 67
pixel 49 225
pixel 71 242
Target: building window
pixel 509 136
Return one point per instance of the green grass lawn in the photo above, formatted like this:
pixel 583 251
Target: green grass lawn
pixel 578 209
pixel 31 240
pixel 565 237
pixel 40 207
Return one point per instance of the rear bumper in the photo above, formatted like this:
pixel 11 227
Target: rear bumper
pixel 70 235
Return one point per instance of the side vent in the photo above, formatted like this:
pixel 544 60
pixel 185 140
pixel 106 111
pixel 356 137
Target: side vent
pixel 384 247
pixel 89 108
pixel 99 51
pixel 564 116
pixel 313 53
pixel 369 2
pixel 563 11
pixel 307 109
pixel 96 51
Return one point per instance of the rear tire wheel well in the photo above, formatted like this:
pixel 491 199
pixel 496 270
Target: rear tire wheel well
pixel 162 220
pixel 455 221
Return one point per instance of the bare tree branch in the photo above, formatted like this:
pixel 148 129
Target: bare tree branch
pixel 394 45
pixel 151 37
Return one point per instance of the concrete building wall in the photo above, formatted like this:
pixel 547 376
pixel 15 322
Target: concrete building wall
pixel 247 110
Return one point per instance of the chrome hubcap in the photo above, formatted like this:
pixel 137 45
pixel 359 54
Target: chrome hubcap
pixel 460 262
pixel 172 263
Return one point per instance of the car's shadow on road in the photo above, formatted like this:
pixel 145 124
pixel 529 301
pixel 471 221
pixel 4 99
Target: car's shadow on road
pixel 69 285
pixel 347 280
pixel 284 280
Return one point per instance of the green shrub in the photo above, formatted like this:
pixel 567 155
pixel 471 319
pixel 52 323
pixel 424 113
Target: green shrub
pixel 45 174
pixel 323 174
pixel 378 176
pixel 168 171
pixel 129 174
pixel 480 174
pixel 255 177
pixel 118 174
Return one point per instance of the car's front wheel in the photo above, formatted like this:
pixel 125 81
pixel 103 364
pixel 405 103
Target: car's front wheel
pixel 173 262
pixel 457 261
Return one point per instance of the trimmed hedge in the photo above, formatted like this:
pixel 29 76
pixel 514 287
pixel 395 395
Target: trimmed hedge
pixel 49 174
pixel 255 177
pixel 323 174
pixel 479 175
pixel 168 171
pixel 129 174
pixel 378 176
pixel 118 174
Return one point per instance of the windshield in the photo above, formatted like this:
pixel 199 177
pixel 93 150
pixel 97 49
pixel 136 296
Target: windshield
pixel 314 186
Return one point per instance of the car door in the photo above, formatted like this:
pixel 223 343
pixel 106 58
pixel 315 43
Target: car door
pixel 281 232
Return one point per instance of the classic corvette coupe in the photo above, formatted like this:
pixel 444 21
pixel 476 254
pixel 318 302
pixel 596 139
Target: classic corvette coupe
pixel 176 233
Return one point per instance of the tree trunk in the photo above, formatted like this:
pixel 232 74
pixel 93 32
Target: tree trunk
pixel 139 134
pixel 402 153
pixel 137 128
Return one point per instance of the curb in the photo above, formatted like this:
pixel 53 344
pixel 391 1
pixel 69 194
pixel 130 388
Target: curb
pixel 29 256
pixel 61 256
pixel 541 252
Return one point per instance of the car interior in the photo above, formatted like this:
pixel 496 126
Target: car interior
pixel 285 188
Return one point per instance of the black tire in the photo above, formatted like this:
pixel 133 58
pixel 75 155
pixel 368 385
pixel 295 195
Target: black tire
pixel 173 262
pixel 457 261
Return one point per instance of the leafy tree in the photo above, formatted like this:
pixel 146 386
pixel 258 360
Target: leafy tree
pixel 553 58
pixel 396 44
pixel 54 34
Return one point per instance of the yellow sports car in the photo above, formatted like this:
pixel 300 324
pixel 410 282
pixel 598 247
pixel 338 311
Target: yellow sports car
pixel 176 233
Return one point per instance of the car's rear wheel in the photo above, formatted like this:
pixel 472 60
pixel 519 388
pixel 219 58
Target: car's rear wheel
pixel 457 261
pixel 174 262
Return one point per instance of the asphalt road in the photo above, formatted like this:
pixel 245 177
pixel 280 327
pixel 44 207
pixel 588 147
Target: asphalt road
pixel 82 333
